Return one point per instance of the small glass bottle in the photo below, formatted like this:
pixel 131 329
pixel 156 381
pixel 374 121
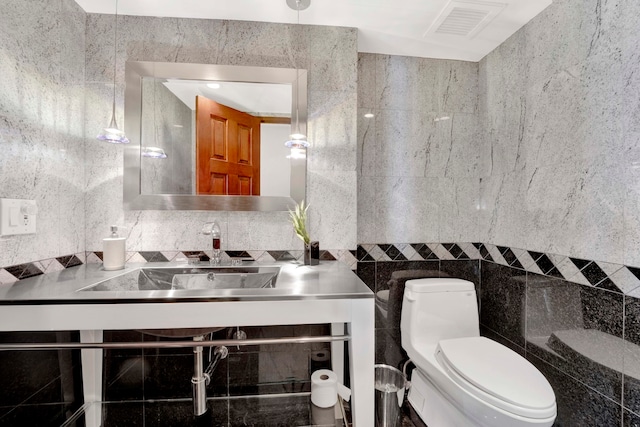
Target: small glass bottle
pixel 217 243
pixel 213 229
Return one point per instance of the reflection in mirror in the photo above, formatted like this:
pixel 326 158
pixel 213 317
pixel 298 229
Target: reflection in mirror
pixel 186 119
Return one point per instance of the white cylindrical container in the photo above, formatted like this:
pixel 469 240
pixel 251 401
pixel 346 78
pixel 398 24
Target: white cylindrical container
pixel 113 250
pixel 325 389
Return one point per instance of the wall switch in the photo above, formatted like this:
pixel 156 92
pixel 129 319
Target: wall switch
pixel 17 216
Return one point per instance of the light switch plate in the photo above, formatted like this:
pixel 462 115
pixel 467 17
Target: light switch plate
pixel 17 216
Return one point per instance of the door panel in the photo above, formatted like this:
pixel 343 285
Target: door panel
pixel 227 150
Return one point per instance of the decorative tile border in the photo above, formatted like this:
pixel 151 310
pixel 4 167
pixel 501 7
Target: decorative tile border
pixel 15 273
pixel 613 277
pixel 23 271
pixel 417 251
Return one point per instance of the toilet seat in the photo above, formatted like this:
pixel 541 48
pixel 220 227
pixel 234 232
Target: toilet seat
pixel 517 386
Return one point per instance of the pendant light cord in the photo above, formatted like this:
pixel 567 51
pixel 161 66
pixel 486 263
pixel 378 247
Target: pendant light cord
pixel 115 59
pixel 297 77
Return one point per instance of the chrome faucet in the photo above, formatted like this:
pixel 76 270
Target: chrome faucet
pixel 213 229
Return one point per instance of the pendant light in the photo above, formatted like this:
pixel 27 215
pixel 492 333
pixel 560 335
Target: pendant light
pixel 297 140
pixel 112 133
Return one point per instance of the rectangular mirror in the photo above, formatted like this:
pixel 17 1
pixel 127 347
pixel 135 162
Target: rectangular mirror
pixel 211 137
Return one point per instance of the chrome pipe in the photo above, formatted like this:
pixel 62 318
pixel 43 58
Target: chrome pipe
pixel 199 380
pixel 171 344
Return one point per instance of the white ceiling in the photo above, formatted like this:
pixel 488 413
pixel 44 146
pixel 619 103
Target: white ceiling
pixel 384 26
pixel 253 98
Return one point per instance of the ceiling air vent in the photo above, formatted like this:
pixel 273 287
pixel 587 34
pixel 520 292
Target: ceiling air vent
pixel 465 18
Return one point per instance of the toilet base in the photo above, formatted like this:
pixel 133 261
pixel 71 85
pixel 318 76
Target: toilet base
pixel 431 406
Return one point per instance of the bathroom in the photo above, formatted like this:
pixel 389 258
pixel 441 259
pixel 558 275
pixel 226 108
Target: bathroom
pixel 531 180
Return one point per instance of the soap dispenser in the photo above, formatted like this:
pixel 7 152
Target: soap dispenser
pixel 113 250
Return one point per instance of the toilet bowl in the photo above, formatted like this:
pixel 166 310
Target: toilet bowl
pixel 462 379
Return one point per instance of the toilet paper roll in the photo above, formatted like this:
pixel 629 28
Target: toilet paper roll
pixel 325 389
pixel 320 359
pixel 321 356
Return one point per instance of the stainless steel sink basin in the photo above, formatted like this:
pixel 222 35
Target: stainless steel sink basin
pixel 191 278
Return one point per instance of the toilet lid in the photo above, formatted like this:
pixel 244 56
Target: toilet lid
pixel 482 366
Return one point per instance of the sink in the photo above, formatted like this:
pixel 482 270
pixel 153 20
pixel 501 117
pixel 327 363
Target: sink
pixel 190 278
pixel 207 278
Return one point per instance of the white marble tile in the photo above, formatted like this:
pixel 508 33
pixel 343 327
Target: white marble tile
pixel 263 231
pixel 567 32
pixel 30 32
pixel 179 231
pixel 459 209
pixel 332 131
pixel 457 86
pixel 406 83
pixel 333 58
pixel 263 44
pixel 632 209
pixel 367 80
pixel 333 214
pixel 367 144
pixel 72 38
pixel 501 215
pixel 103 204
pixel 367 223
pixel 407 209
pixel 403 140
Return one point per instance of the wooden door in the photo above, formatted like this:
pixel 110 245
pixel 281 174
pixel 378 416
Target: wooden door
pixel 227 150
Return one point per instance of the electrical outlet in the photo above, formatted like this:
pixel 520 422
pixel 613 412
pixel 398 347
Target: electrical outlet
pixel 17 216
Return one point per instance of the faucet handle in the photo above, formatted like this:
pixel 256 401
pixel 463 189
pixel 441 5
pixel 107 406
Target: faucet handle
pixel 211 228
pixel 207 228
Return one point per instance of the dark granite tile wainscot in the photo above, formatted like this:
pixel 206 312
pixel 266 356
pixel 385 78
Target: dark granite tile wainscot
pixel 578 405
pixel 555 306
pixel 502 301
pixel 39 387
pixel 631 384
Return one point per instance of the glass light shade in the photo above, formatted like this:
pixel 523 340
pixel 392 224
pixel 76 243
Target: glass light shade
pixel 154 152
pixel 112 134
pixel 297 140
pixel 297 143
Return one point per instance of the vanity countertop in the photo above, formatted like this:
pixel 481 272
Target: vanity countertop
pixel 329 280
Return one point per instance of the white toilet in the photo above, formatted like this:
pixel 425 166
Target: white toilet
pixel 463 379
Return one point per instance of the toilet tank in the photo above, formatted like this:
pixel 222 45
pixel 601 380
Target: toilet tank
pixel 436 309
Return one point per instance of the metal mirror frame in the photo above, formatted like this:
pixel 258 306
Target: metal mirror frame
pixel 135 200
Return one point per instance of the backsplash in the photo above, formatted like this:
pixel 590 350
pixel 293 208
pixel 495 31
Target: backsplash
pixel 18 272
pixel 613 277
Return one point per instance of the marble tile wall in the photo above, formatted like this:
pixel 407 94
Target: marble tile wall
pixel 559 104
pixel 42 124
pixel 166 123
pixel 418 176
pixel 330 55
